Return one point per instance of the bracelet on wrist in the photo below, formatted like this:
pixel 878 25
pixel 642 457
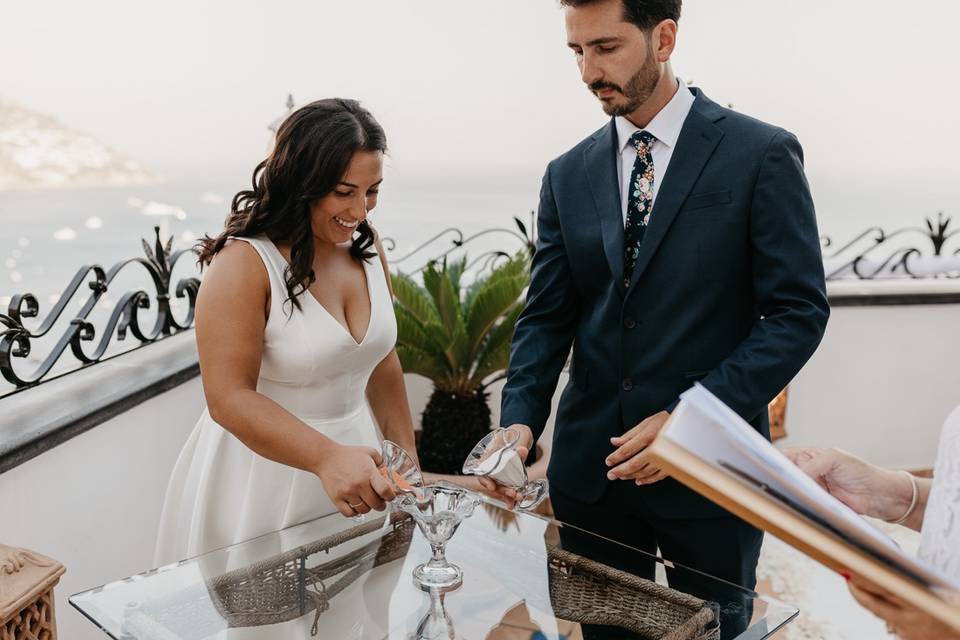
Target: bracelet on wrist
pixel 914 500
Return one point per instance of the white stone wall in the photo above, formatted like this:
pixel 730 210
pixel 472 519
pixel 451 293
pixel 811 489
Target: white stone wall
pixel 93 503
pixel 881 384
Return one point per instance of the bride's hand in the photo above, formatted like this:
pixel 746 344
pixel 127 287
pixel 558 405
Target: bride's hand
pixel 865 488
pixel 352 481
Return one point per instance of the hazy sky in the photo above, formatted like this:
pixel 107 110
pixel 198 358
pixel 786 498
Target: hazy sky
pixel 481 86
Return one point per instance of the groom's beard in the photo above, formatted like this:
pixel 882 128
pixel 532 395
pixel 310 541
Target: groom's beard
pixel 638 89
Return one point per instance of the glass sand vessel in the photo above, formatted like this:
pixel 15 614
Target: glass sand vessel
pixel 496 457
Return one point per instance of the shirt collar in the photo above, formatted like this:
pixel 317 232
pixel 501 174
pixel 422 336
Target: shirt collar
pixel 666 125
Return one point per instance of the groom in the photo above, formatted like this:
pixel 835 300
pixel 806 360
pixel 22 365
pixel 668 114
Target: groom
pixel 676 244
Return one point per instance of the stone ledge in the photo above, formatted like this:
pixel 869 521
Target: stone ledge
pixel 893 291
pixel 38 419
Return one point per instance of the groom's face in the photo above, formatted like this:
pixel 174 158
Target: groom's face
pixel 617 60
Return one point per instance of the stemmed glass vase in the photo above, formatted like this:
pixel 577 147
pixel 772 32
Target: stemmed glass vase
pixel 496 457
pixel 400 470
pixel 436 624
pixel 438 515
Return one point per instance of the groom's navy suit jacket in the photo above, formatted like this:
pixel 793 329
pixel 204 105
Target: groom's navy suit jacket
pixel 728 289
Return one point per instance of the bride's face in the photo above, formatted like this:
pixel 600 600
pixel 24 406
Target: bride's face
pixel 335 217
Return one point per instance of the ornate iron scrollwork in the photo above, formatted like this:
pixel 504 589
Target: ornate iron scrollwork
pixel 417 259
pixel 914 252
pixel 875 253
pixel 15 338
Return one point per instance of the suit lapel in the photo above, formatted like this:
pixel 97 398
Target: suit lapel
pixel 698 139
pixel 600 161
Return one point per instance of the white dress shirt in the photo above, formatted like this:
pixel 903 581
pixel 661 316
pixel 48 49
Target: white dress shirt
pixel 665 127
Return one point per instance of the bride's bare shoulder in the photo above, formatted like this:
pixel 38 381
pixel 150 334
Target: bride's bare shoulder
pixel 236 269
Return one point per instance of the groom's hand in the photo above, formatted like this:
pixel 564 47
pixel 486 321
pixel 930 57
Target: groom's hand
pixel 630 460
pixel 498 491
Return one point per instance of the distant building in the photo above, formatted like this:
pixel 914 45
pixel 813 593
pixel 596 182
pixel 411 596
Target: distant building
pixel 275 125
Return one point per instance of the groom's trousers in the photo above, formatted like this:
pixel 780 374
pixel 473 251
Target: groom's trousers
pixel 724 547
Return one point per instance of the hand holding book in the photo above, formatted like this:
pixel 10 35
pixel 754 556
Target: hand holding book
pixel 894 496
pixel 708 447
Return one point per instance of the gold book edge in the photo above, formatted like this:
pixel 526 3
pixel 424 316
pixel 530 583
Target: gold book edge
pixel 765 512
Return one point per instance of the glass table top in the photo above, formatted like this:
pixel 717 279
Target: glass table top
pixel 339 578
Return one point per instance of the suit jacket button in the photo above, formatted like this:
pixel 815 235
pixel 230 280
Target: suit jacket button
pixel 627 384
pixel 629 322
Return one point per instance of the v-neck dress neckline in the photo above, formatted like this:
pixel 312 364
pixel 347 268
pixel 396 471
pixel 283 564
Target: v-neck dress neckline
pixel 309 294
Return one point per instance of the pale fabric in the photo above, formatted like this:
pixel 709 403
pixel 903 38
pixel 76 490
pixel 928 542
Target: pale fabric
pixel 940 535
pixel 220 491
pixel 665 128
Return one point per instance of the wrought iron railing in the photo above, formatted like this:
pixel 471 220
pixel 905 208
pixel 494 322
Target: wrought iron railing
pixel 18 335
pixel 16 338
pixel 452 241
pixel 911 252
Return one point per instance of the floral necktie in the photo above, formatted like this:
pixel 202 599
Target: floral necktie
pixel 639 201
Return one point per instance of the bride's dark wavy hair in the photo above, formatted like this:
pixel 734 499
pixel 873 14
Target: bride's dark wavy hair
pixel 313 148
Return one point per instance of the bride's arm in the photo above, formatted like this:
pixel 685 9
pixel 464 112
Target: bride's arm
pixel 231 317
pixel 387 393
pixel 387 396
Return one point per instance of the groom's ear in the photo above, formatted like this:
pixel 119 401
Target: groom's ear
pixel 663 40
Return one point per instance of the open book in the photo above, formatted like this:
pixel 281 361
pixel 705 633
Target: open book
pixel 708 447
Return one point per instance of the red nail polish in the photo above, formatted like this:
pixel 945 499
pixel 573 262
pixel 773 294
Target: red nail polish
pixel 846 575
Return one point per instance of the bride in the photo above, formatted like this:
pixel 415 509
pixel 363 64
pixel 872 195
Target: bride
pixel 295 333
pixel 931 506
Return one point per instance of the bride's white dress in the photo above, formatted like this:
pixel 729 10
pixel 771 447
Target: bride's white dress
pixel 940 534
pixel 220 491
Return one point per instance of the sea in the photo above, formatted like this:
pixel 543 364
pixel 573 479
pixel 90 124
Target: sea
pixel 46 236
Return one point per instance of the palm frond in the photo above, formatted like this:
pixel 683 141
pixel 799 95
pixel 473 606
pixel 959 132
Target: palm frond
pixel 448 304
pixel 414 360
pixel 423 337
pixel 455 272
pixel 493 361
pixel 491 302
pixel 414 298
pixel 440 336
pixel 494 354
pixel 431 280
pixel 446 299
pixel 457 338
pixel 459 350
pixel 471 294
pixel 518 264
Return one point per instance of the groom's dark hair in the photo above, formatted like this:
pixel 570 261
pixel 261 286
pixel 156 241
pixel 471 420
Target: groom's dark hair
pixel 646 14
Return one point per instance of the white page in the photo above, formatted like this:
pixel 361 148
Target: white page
pixel 777 470
pixel 707 428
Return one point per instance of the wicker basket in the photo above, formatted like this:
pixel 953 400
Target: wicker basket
pixel 283 588
pixel 585 591
pixel 27 580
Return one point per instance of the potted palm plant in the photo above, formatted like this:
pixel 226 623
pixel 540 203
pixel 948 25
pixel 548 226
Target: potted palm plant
pixel 459 337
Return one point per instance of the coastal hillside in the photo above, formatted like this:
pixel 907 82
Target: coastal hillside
pixel 38 152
